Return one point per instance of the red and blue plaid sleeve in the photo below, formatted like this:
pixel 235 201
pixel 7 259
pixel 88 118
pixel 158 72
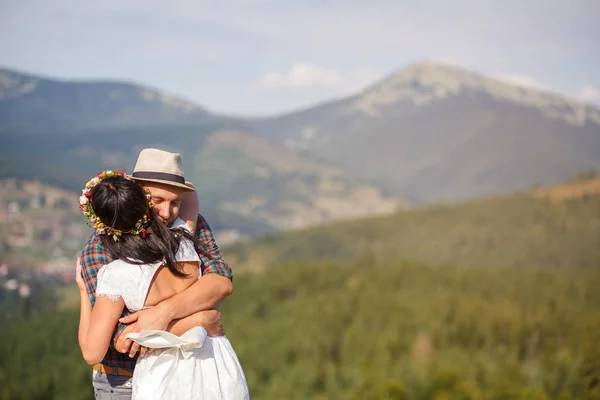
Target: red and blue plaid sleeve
pixel 212 259
pixel 93 257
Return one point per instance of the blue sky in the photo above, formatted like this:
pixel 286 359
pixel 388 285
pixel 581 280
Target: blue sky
pixel 263 56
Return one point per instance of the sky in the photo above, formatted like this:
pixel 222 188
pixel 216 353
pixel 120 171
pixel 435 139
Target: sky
pixel 264 57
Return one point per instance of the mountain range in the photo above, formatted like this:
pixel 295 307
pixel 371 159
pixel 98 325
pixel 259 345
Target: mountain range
pixel 428 133
pixel 434 132
pixel 62 133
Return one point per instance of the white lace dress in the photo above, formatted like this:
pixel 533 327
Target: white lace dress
pixel 190 366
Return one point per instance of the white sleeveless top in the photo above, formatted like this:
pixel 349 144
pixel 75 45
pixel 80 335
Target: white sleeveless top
pixel 192 366
pixel 132 282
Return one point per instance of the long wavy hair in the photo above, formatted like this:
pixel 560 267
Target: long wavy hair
pixel 121 203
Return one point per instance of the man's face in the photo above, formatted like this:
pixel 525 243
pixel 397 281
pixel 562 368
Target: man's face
pixel 166 200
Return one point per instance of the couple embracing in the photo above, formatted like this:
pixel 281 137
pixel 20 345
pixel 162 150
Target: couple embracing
pixel 150 277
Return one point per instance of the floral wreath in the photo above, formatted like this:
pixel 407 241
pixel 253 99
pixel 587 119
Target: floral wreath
pixel 85 204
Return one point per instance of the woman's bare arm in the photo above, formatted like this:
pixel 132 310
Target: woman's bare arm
pixel 96 325
pixel 190 206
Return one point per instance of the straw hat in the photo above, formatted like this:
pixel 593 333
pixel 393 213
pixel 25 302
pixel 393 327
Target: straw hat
pixel 154 165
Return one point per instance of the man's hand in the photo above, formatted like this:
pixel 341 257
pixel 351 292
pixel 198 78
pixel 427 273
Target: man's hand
pixel 211 321
pixel 122 344
pixel 154 318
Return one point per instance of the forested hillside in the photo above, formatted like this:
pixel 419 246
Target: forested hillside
pixel 550 227
pixel 369 331
pixel 503 303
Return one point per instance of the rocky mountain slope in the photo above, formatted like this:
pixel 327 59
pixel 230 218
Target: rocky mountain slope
pixel 435 132
pixel 63 133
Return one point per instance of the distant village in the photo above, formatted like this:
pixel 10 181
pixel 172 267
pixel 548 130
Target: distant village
pixel 41 232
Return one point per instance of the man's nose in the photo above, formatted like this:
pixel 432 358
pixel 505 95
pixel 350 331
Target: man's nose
pixel 165 212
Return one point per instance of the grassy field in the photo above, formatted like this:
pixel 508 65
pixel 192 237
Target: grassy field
pixel 68 297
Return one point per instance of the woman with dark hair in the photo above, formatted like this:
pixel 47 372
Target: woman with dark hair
pixel 153 262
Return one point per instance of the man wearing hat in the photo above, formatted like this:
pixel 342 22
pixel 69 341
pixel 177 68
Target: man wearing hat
pixel 160 172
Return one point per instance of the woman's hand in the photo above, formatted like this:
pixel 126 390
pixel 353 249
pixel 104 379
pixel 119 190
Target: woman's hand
pixel 79 277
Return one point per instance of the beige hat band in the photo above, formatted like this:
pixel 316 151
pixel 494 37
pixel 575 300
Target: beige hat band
pixel 163 176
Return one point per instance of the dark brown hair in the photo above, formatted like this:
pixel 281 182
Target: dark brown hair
pixel 120 203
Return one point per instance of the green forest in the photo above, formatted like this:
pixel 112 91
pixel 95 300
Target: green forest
pixel 393 311
pixel 368 331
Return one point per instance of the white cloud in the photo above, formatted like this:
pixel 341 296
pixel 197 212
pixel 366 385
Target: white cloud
pixel 209 51
pixel 589 94
pixel 301 76
pixel 315 79
pixel 521 80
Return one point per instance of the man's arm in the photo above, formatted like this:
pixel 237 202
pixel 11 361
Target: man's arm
pixel 94 256
pixel 203 295
pixel 188 211
pixel 213 286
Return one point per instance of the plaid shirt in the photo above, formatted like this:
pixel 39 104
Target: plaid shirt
pixel 94 256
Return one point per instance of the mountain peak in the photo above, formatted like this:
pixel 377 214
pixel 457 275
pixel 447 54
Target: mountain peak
pixel 98 100
pixel 14 84
pixel 426 82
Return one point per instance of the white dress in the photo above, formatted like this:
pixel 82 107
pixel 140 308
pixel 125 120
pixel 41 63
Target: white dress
pixel 190 366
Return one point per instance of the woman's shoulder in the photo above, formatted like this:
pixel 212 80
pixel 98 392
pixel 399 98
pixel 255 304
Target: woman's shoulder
pixel 123 269
pixel 109 270
pixel 127 280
